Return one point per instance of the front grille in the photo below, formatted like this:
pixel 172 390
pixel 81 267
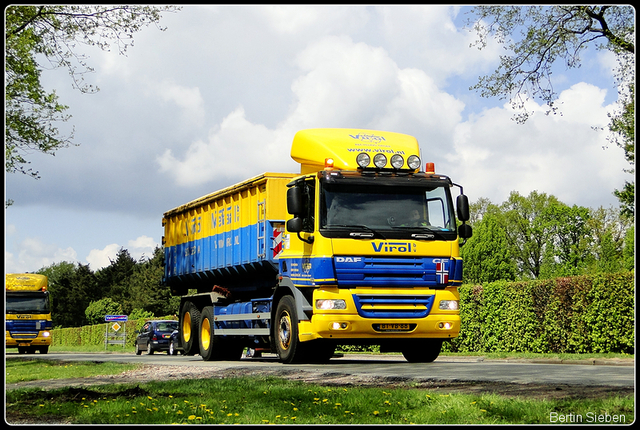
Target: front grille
pixel 394 271
pixel 393 306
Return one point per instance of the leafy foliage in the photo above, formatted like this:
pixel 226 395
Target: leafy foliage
pixel 126 287
pixel 97 310
pixel 539 237
pixel 583 314
pixel 52 32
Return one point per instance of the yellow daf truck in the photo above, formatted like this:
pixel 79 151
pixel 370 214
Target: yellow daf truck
pixel 359 248
pixel 28 313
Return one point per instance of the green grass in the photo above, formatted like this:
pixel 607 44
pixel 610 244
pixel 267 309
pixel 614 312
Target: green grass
pixel 269 400
pixel 18 370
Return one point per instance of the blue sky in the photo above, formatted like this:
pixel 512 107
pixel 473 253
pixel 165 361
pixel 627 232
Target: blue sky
pixel 218 96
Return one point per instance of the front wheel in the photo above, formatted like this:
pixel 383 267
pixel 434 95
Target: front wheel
pixel 422 350
pixel 288 345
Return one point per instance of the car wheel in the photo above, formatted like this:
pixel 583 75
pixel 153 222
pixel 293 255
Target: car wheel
pixel 149 349
pixel 172 349
pixel 138 351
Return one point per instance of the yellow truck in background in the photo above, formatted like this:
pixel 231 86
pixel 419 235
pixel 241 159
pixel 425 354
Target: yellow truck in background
pixel 359 248
pixel 28 313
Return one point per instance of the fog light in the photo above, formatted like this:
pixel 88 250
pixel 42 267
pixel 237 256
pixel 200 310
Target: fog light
pixel 445 325
pixel 380 160
pixel 449 305
pixel 363 159
pixel 339 326
pixel 328 304
pixel 397 161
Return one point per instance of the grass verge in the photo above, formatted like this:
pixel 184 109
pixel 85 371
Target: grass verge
pixel 270 400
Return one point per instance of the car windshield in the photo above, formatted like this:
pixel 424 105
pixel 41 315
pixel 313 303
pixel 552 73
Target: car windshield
pixel 387 208
pixel 27 303
pixel 167 326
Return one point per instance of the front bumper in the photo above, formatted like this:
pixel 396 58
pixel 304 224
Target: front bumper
pixel 356 323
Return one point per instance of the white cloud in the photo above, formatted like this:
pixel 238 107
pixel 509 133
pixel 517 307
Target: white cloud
pixel 342 84
pixel 189 100
pixel 32 254
pixel 142 246
pixel 99 258
pixel 557 154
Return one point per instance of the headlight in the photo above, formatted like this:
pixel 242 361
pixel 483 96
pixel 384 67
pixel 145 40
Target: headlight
pixel 46 334
pixel 363 159
pixel 327 304
pixel 380 160
pixel 449 305
pixel 413 162
pixel 397 161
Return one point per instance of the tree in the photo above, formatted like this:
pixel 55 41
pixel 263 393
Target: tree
pixel 537 37
pixel 52 32
pixel 97 310
pixel 113 280
pixel 486 254
pixel 146 290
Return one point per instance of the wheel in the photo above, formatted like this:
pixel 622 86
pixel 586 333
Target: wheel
pixel 172 349
pixel 138 351
pixel 215 347
pixel 206 334
pixel 149 348
pixel 44 349
pixel 190 321
pixel 422 350
pixel 288 345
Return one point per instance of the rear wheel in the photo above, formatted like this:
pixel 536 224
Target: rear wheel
pixel 138 350
pixel 190 321
pixel 216 347
pixel 422 350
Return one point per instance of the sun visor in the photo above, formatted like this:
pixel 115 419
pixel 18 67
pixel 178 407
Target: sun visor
pixel 312 147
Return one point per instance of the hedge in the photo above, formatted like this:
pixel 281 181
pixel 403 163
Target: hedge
pixel 582 314
pixel 95 334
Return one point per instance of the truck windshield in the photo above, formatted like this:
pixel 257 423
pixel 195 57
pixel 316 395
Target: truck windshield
pixel 423 208
pixel 28 303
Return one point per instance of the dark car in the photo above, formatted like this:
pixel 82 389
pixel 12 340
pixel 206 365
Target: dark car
pixel 174 343
pixel 155 335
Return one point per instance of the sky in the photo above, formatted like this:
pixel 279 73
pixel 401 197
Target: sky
pixel 217 97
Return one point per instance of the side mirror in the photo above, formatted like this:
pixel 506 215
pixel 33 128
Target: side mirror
pixel 465 231
pixel 294 225
pixel 462 207
pixel 294 201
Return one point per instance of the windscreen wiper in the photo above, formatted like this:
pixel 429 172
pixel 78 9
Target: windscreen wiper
pixel 370 232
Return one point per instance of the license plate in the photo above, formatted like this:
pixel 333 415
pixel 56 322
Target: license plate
pixel 166 336
pixel 394 327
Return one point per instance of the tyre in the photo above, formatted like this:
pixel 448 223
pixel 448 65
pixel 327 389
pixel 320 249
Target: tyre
pixel 189 326
pixel 44 349
pixel 149 348
pixel 206 342
pixel 215 347
pixel 172 349
pixel 288 345
pixel 422 350
pixel 138 350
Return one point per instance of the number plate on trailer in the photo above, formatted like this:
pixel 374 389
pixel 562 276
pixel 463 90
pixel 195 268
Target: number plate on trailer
pixel 393 327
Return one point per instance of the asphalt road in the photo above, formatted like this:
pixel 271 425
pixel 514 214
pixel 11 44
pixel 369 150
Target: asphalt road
pixel 611 373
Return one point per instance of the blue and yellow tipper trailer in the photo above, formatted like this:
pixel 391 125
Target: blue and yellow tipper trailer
pixel 359 248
